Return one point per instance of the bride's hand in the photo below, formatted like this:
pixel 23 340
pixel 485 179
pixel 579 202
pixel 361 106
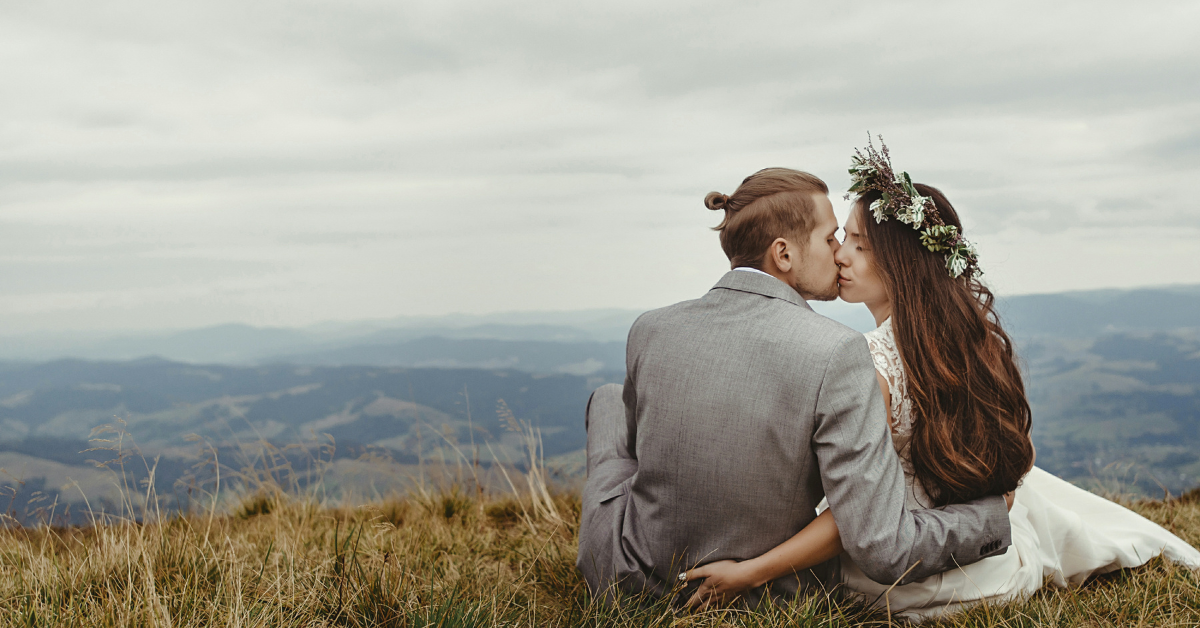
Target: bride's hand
pixel 724 581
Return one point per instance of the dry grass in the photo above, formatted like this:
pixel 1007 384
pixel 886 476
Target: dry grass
pixel 445 558
pixel 441 559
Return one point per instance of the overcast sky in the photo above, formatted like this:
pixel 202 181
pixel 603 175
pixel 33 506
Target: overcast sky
pixel 170 164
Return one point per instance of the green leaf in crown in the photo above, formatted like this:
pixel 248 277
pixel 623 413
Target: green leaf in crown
pixel 938 238
pixel 956 263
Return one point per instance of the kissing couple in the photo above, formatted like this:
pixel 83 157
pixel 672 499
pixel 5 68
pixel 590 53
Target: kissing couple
pixel 760 451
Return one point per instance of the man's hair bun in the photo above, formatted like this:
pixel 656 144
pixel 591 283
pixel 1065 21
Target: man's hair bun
pixel 716 200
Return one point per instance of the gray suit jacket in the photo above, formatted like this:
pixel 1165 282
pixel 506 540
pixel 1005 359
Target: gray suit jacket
pixel 743 409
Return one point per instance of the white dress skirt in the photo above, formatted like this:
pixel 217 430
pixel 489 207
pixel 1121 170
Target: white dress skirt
pixel 1061 534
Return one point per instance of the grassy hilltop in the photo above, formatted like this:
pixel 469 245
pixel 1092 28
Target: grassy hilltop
pixel 447 558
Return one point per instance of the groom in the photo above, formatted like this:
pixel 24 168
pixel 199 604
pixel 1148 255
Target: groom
pixel 742 409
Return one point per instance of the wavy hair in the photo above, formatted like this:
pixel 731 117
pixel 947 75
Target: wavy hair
pixel 971 418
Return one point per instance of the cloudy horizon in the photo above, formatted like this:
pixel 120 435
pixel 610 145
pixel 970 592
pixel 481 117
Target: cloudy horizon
pixel 281 164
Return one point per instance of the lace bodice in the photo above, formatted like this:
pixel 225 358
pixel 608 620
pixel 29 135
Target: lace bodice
pixel 882 342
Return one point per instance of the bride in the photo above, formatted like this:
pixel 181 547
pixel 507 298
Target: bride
pixel 959 419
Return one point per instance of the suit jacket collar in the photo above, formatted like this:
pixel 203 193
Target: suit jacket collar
pixel 764 285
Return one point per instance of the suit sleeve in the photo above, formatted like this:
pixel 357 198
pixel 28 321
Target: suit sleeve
pixel 862 478
pixel 633 345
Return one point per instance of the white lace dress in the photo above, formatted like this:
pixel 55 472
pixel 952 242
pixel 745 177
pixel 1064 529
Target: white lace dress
pixel 1061 534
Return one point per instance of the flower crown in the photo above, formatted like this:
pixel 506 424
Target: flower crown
pixel 900 200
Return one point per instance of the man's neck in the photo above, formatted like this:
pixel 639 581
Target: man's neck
pixel 768 272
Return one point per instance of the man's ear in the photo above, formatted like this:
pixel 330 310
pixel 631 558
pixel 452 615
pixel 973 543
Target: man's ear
pixel 781 254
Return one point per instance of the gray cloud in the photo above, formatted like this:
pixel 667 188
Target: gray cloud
pixel 165 165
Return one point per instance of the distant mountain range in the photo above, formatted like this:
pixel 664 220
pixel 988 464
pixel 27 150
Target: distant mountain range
pixel 1085 314
pixel 505 341
pixel 1113 378
pixel 559 342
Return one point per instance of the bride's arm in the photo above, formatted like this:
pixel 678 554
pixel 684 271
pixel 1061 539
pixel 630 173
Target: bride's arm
pixel 818 542
pixel 725 580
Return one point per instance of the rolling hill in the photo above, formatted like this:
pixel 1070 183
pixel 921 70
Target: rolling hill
pixel 170 413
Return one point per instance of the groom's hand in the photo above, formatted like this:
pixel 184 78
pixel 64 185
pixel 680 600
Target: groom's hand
pixel 724 582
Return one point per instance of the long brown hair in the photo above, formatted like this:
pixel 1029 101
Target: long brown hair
pixel 771 203
pixel 971 419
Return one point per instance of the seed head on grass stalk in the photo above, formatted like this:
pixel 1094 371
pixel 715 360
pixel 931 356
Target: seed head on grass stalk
pixel 535 474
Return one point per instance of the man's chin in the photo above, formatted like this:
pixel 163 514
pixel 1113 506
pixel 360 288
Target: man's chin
pixel 827 294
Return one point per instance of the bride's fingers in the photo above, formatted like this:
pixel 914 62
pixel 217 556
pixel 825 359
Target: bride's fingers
pixel 699 572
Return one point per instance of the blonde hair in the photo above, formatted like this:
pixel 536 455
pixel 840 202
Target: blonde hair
pixel 771 203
